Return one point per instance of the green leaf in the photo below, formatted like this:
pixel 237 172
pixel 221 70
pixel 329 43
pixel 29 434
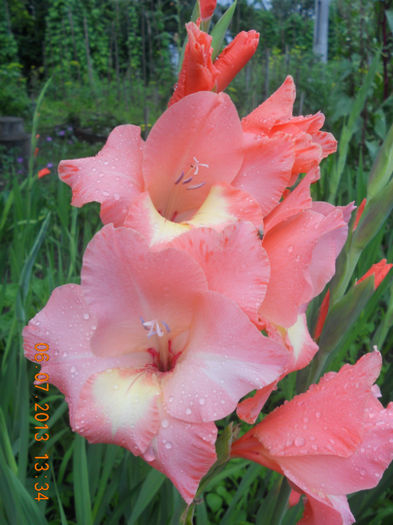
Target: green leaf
pixel 253 471
pixel 350 126
pixel 149 489
pixel 221 28
pixel 81 483
pixel 382 168
pixel 374 215
pixel 389 18
pixel 343 314
pixel 18 503
pixel 25 276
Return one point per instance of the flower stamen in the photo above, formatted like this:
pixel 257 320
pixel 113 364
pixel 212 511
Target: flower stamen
pixel 153 327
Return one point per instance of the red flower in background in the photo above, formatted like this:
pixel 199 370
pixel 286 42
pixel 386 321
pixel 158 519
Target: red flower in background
pixel 43 172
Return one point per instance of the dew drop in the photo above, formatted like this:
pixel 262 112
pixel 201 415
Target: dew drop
pixel 168 445
pixel 290 249
pixel 170 400
pixel 299 441
pixel 202 401
pixel 86 316
pixel 188 411
pixel 165 423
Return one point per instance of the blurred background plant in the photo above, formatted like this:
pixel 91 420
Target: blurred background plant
pixel 114 62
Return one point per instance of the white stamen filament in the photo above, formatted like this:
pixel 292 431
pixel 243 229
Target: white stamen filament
pixel 153 327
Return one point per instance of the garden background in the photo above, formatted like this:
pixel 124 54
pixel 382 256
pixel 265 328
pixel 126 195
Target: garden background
pixel 73 70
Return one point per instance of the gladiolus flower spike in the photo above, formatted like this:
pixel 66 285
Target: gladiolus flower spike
pixel 194 293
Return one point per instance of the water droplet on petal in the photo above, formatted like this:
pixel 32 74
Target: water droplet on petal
pixel 188 411
pixel 168 445
pixel 299 441
pixel 165 423
pixel 86 316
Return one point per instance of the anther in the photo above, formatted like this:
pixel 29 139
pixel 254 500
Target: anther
pixel 179 178
pixel 196 186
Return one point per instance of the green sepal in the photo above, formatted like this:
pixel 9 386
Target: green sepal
pixel 374 215
pixel 220 29
pixel 343 314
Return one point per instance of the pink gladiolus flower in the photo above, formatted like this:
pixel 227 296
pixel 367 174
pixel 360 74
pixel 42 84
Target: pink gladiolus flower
pixel 379 271
pixel 234 262
pixel 283 144
pixel 333 440
pixel 200 73
pixel 302 240
pixel 148 357
pixel 196 168
pixel 206 8
pixel 180 178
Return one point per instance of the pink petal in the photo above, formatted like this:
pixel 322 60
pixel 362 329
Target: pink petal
pixel 302 252
pixel 266 170
pixel 278 106
pixel 120 406
pixel 197 71
pixel 249 409
pixel 202 128
pixel 226 357
pixel 145 219
pixel 234 57
pixel 223 206
pixel 361 470
pixel 113 177
pixel 303 347
pixel 184 452
pixel 332 510
pixel 327 142
pixel 330 412
pixel 126 284
pixel 234 262
pixel 309 124
pixel 296 201
pixel 308 155
pixel 66 324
